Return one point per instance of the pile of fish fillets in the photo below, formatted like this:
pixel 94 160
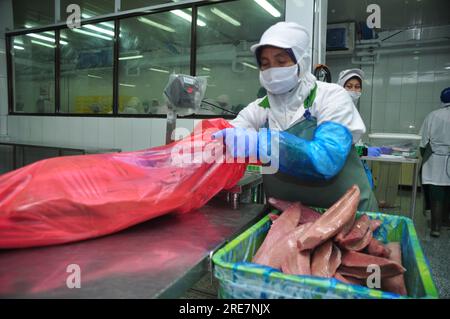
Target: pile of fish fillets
pixel 335 244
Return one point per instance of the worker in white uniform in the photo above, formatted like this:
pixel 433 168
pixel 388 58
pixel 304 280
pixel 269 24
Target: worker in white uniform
pixel 435 132
pixel 351 80
pixel 317 124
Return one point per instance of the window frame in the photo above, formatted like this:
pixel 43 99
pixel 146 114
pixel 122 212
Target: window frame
pixel 115 18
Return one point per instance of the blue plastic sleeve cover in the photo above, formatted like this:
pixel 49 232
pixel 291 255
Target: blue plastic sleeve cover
pixel 318 159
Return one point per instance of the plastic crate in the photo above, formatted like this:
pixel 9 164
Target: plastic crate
pixel 239 278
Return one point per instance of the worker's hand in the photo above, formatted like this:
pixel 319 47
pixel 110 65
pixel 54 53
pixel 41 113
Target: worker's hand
pixel 240 142
pixel 374 151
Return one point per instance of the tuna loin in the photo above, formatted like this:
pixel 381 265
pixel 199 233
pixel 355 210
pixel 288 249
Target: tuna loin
pixel 332 221
pixel 376 248
pixel 395 284
pixel 284 224
pixel 356 265
pixel 325 260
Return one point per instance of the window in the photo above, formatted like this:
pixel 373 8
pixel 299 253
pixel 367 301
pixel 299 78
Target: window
pixel 33 61
pixel 151 47
pixel 86 80
pixel 223 50
pixel 28 14
pixel 135 4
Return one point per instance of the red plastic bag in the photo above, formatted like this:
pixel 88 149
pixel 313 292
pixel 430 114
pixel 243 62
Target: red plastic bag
pixel 72 198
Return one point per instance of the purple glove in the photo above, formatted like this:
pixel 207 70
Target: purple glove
pixel 386 150
pixel 374 151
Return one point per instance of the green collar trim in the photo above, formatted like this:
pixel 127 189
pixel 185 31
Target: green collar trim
pixel 311 97
pixel 265 104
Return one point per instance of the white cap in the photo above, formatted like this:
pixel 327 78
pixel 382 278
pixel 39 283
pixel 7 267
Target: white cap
pixel 286 35
pixel 345 75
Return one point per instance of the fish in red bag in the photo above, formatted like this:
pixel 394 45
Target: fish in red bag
pixel 72 198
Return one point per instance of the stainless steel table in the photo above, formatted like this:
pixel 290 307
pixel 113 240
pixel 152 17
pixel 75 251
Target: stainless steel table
pixel 160 258
pixel 399 159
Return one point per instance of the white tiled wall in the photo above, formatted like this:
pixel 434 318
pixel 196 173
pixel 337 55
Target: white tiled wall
pixel 128 134
pixel 400 90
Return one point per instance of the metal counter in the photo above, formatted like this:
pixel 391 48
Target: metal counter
pixel 160 258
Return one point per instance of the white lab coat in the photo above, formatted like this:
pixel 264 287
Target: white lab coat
pixel 436 131
pixel 332 103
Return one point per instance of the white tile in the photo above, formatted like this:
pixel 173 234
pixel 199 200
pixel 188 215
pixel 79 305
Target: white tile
pixel 409 88
pixel 395 64
pixel 392 117
pixel 37 129
pixel 106 133
pixel 158 129
pixel 49 130
pixel 378 89
pixel 184 128
pixel 141 134
pixel 75 128
pixel 426 63
pixel 410 63
pixel 13 127
pixel 407 117
pixel 394 91
pixel 425 85
pixel 90 132
pixel 378 117
pixel 123 134
pixel 24 128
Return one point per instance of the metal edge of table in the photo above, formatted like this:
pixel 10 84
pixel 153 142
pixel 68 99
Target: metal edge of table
pixel 193 275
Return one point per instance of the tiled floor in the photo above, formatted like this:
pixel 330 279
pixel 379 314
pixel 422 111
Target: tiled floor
pixel 437 250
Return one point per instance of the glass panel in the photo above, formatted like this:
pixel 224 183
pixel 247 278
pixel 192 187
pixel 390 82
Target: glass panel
pixel 28 13
pixel 136 4
pixel 151 47
pixel 223 50
pixel 33 62
pixel 87 70
pixel 89 8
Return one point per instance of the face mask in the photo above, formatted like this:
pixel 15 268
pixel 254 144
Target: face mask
pixel 279 80
pixel 355 96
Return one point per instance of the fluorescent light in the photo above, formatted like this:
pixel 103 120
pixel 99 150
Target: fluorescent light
pixel 131 57
pixel 94 76
pixel 187 17
pixel 199 13
pixel 18 47
pixel 101 30
pixel 127 85
pixel 206 69
pixel 268 7
pixel 43 37
pixel 61 35
pixel 156 24
pixel 43 44
pixel 106 24
pixel 92 34
pixel 226 17
pixel 28 26
pixel 17 41
pixel 447 68
pixel 250 65
pixel 159 70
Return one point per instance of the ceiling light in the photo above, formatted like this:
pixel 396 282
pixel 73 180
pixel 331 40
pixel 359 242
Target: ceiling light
pixel 268 7
pixel 159 70
pixel 92 34
pixel 127 85
pixel 94 76
pixel 43 44
pixel 155 24
pixel 206 69
pixel 101 30
pixel 187 17
pixel 250 65
pixel 132 57
pixel 18 47
pixel 226 17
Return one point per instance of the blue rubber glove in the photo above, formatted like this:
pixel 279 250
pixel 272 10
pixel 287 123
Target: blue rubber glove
pixel 240 142
pixel 374 151
pixel 321 158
